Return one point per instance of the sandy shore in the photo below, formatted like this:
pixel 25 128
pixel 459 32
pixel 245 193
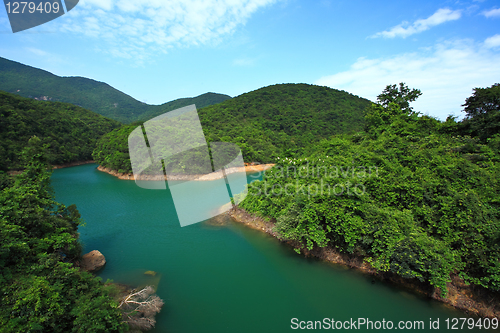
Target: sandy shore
pixel 211 176
pixel 472 299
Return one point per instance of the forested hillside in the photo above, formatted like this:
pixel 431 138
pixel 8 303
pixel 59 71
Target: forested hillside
pixel 200 102
pixel 41 287
pixel 410 194
pixel 93 95
pixel 70 132
pixel 278 120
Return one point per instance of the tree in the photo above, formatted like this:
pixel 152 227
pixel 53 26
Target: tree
pixel 401 95
pixel 41 289
pixel 377 115
pixel 483 116
pixel 68 133
pixel 483 101
pixel 140 307
pixel 428 211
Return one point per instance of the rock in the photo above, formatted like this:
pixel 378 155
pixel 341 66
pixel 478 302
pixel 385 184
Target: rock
pixel 93 261
pixel 152 273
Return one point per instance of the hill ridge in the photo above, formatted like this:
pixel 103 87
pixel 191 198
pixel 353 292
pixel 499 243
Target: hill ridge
pixel 277 120
pixel 99 97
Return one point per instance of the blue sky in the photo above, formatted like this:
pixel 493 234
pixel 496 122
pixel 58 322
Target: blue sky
pixel 160 50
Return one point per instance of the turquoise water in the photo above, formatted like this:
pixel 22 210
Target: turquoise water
pixel 227 278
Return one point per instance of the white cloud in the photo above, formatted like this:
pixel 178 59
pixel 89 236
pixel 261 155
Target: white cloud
pixel 136 28
pixel 405 29
pixel 445 73
pixel 37 52
pixel 493 41
pixel 495 12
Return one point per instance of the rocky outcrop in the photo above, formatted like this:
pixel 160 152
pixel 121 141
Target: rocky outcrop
pixel 92 261
pixel 120 175
pixel 254 222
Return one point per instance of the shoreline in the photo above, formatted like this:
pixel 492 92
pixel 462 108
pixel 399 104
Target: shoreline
pixel 58 166
pixel 206 177
pixel 71 164
pixel 471 299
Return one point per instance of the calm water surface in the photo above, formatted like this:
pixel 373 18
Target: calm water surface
pixel 226 278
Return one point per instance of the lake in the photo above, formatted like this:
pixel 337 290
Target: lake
pixel 224 278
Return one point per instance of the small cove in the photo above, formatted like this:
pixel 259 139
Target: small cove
pixel 227 278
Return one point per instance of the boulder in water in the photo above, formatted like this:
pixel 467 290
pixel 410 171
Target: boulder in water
pixel 93 261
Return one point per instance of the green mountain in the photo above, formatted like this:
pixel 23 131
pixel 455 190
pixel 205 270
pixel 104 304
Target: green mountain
pixel 408 194
pixel 93 95
pixel 200 102
pixel 278 120
pixel 69 131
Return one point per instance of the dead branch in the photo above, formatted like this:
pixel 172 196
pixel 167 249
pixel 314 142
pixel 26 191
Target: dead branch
pixel 139 308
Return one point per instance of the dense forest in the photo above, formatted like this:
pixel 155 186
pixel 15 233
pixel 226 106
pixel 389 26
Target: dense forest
pixel 278 120
pixel 93 95
pixel 69 132
pixel 41 288
pixel 201 101
pixel 410 194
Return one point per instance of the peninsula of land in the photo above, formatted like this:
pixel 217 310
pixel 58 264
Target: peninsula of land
pixel 204 177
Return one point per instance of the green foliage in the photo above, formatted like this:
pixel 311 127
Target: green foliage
pixel 378 116
pixel 298 225
pixel 40 288
pixel 201 101
pixel 93 95
pixel 5 180
pixel 409 194
pixel 483 101
pixel 69 132
pixel 483 113
pixel 112 149
pixel 400 95
pixel 279 120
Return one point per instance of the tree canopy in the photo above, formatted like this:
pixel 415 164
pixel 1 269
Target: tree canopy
pixel 409 194
pixel 69 132
pixel 482 113
pixel 400 95
pixel 278 120
pixel 41 288
pixel 483 101
pixel 93 95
